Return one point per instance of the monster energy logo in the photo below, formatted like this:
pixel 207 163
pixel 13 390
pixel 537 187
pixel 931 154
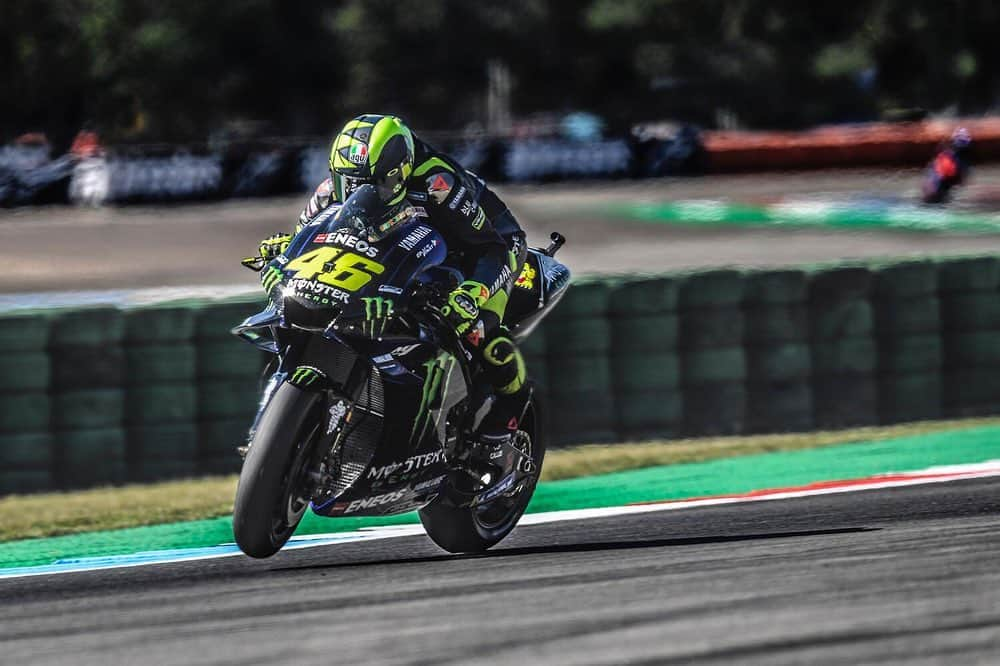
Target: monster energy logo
pixel 271 277
pixel 377 313
pixel 305 376
pixel 436 370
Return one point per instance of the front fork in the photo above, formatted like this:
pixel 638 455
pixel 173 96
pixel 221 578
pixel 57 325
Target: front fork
pixel 265 399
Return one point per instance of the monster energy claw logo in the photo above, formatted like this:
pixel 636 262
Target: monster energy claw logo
pixel 305 376
pixel 377 313
pixel 271 277
pixel 436 370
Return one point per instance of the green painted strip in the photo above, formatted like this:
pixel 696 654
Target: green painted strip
pixel 717 477
pixel 856 215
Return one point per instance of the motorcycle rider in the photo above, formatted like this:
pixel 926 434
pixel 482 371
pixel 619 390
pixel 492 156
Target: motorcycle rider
pixel 484 240
pixel 949 167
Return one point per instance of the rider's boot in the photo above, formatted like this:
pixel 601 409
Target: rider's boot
pixel 504 418
pixel 504 370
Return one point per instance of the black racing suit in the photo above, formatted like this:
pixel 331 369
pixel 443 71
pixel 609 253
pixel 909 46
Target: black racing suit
pixel 486 243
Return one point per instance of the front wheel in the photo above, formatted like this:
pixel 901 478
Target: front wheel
pixel 476 529
pixel 269 497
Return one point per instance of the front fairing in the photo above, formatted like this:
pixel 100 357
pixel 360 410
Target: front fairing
pixel 330 267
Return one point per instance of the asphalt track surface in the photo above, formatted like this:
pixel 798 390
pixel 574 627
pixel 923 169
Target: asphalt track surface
pixel 66 248
pixel 905 576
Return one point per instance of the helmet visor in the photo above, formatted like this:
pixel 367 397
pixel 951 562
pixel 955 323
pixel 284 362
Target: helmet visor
pixel 392 186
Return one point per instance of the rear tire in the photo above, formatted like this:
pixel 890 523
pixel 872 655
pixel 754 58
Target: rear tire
pixel 269 505
pixel 476 529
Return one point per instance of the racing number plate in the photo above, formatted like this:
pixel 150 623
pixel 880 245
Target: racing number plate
pixel 335 267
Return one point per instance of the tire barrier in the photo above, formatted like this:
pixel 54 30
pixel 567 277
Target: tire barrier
pixel 99 395
pixel 910 346
pixel 779 357
pixel 26 445
pixel 160 396
pixel 88 397
pixel 580 394
pixel 968 293
pixel 228 383
pixel 713 359
pixel 841 323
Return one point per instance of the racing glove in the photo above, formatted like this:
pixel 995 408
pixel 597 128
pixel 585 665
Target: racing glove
pixel 274 245
pixel 462 308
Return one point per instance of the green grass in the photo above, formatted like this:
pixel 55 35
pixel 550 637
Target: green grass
pixel 53 514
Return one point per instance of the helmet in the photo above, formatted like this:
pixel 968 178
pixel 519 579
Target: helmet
pixel 372 149
pixel 960 138
pixel 367 213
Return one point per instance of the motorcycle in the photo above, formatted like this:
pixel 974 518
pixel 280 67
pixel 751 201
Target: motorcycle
pixel 369 416
pixel 945 171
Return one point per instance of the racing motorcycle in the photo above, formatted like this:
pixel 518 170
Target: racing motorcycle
pixel 943 174
pixel 372 406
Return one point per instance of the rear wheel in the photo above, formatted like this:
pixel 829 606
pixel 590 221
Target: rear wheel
pixel 475 529
pixel 270 497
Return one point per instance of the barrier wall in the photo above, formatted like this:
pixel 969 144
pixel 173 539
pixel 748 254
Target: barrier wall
pixel 845 145
pixel 127 175
pixel 101 395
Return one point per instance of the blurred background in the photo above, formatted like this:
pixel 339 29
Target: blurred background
pixel 145 147
pixel 512 88
pixel 180 72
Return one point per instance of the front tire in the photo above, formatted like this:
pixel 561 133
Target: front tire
pixel 269 503
pixel 476 529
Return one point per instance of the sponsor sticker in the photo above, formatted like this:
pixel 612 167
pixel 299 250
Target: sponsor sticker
pixel 358 153
pixel 399 469
pixel 501 280
pixel 404 350
pixel 477 223
pixel 389 289
pixel 411 239
pixel 349 240
pixel 425 250
pixel 311 287
pixel 429 484
pixel 497 490
pixel 526 280
pixel 377 500
pixel 469 208
pixel 458 197
pixel 337 412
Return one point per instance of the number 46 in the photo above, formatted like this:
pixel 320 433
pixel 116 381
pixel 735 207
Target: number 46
pixel 335 267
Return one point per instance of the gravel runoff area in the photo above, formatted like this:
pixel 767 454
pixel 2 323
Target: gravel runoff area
pixel 197 245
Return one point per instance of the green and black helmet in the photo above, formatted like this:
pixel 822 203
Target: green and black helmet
pixel 372 149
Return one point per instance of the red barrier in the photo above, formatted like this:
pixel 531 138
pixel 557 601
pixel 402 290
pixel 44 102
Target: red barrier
pixel 911 143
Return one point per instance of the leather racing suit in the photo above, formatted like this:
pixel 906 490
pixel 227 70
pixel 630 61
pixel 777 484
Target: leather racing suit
pixel 487 244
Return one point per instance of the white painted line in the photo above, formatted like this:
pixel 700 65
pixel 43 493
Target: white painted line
pixel 940 474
